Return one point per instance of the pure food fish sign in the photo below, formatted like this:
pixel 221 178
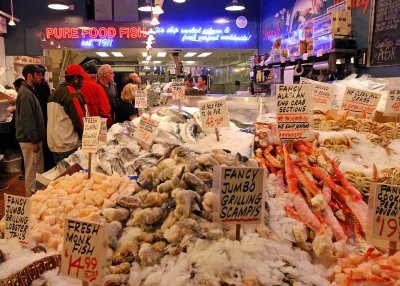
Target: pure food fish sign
pixel 393 101
pixel 17 215
pixel 293 106
pixel 84 248
pixel 386 213
pixel 358 101
pixel 146 130
pixel 91 130
pixel 240 195
pixel 214 113
pixel 321 94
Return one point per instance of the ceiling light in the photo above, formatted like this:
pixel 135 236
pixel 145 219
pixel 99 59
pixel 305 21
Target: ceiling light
pixel 157 10
pixel 190 54
pixel 148 58
pixel 151 31
pixel 203 55
pixel 151 38
pixel 221 21
pixel 154 22
pixel 189 62
pixel 234 6
pixel 103 54
pixel 117 54
pixel 145 62
pixel 11 22
pixel 179 1
pixel 145 7
pixel 148 46
pixel 157 62
pixel 149 42
pixel 161 54
pixel 58 5
pixel 144 54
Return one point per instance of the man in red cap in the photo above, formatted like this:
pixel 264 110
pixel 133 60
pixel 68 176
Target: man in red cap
pixel 65 112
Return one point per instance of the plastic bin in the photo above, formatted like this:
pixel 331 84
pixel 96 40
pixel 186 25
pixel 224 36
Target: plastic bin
pixel 11 165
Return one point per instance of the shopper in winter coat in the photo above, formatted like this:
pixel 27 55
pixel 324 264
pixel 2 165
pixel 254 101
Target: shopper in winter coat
pixel 126 110
pixel 65 112
pixel 30 127
pixel 95 97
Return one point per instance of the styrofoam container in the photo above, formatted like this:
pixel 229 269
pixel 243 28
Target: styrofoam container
pixel 12 165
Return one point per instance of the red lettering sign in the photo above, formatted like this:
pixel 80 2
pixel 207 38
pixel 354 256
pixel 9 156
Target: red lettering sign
pixel 95 33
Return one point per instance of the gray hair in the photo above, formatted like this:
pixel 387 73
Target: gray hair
pixel 103 69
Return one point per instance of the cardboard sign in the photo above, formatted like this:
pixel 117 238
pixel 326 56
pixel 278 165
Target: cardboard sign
pixel 322 94
pixel 103 132
pixel 240 195
pixel 386 213
pixel 17 215
pixel 178 88
pixel 90 137
pixel 84 248
pixel 393 101
pixel 141 99
pixel 358 100
pixel 293 111
pixel 214 113
pixel 146 130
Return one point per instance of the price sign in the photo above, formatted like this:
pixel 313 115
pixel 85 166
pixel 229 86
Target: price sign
pixel 293 111
pixel 17 215
pixel 103 132
pixel 178 88
pixel 141 99
pixel 358 100
pixel 214 113
pixel 146 130
pixel 393 101
pixel 322 94
pixel 240 195
pixel 90 137
pixel 386 213
pixel 84 247
pixel 320 53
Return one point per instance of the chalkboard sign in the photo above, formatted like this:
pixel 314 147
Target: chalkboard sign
pixel 384 39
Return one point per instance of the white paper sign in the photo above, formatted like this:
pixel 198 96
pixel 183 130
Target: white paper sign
pixel 214 113
pixel 393 102
pixel 322 94
pixel 240 195
pixel 90 137
pixel 146 130
pixel 141 99
pixel 293 111
pixel 386 213
pixel 103 132
pixel 178 88
pixel 84 248
pixel 358 100
pixel 17 215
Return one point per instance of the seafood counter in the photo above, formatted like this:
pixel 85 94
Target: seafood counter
pixel 160 227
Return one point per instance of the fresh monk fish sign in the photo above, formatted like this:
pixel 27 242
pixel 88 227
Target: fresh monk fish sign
pixel 240 192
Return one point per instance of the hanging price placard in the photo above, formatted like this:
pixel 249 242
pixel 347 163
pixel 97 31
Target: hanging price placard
pixel 393 102
pixel 146 130
pixel 214 113
pixel 103 132
pixel 90 137
pixel 17 217
pixel 141 99
pixel 84 248
pixel 178 88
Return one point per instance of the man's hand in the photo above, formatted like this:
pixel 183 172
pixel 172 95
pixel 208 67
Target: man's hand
pixel 36 147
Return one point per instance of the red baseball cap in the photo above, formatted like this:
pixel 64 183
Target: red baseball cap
pixel 76 70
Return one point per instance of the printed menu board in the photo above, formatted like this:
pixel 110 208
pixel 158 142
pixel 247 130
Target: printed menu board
pixel 90 137
pixel 357 101
pixel 240 195
pixel 214 113
pixel 17 217
pixel 293 110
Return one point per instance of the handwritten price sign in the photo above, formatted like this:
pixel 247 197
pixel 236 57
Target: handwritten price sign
pixel 103 132
pixel 321 94
pixel 178 88
pixel 214 113
pixel 91 131
pixel 386 213
pixel 146 130
pixel 83 250
pixel 141 99
pixel 358 101
pixel 393 102
pixel 17 215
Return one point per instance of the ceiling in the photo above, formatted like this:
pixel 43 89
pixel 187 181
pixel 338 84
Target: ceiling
pixel 217 58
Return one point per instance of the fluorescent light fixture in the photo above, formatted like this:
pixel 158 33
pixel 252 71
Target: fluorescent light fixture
pixel 157 62
pixel 103 54
pixel 145 62
pixel 157 10
pixel 161 54
pixel 189 62
pixel 235 6
pixel 144 54
pixel 117 54
pixel 189 54
pixel 221 21
pixel 145 7
pixel 58 5
pixel 179 1
pixel 148 58
pixel 11 23
pixel 148 46
pixel 203 55
pixel 154 22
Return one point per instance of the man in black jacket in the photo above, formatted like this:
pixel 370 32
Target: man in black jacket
pixel 30 127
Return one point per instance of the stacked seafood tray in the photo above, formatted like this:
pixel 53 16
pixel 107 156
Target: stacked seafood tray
pixel 160 228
